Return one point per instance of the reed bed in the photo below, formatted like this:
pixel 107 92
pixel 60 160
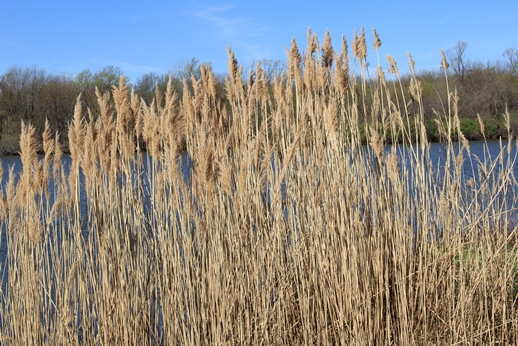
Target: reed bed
pixel 291 223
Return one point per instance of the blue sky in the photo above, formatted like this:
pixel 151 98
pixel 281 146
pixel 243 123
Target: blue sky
pixel 68 36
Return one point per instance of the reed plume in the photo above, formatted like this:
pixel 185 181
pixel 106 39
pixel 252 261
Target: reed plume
pixel 444 62
pixel 327 51
pixel 341 79
pixel 360 46
pixel 294 61
pixel 377 41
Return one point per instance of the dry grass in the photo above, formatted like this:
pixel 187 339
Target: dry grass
pixel 288 230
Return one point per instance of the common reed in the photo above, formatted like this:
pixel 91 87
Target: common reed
pixel 260 215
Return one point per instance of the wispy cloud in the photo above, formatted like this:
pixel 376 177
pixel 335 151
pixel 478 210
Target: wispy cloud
pixel 242 33
pixel 226 27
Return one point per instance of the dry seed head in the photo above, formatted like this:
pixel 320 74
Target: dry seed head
pixel 323 75
pixel 415 89
pixel 38 179
pixel 360 46
pixel 481 124
pixel 376 142
pixel 263 92
pixel 332 115
pixel 295 60
pixel 76 132
pixel 392 65
pixel 344 54
pixel 170 95
pixel 312 43
pixel 10 190
pixel 225 179
pixel 230 94
pixel 120 93
pixel 444 61
pixel 158 98
pixel 34 228
pixel 48 148
pixel 186 100
pixel 233 67
pixel 381 75
pixel 204 77
pixel 89 159
pixel 210 166
pixel 198 100
pixel 122 106
pixel 147 119
pixel 206 109
pixel 28 147
pixel 411 63
pixel 341 79
pixel 135 103
pixel 3 206
pixel 251 77
pixel 393 165
pixel 213 83
pixel 114 165
pixel 172 110
pixel 243 173
pixel 327 50
pixel 105 107
pixel 309 72
pixel 377 41
pixel 258 148
pixel 47 140
pixel 155 140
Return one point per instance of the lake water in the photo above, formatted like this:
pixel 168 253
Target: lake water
pixel 438 155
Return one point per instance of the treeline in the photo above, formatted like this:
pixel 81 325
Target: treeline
pixel 33 95
pixel 488 90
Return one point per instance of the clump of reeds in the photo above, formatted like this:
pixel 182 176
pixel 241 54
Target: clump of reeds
pixel 286 220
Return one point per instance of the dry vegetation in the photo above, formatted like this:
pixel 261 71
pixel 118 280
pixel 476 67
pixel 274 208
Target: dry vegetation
pixel 288 230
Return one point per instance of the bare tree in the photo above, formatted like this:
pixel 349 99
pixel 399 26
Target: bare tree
pixel 34 96
pixel 511 55
pixel 456 57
